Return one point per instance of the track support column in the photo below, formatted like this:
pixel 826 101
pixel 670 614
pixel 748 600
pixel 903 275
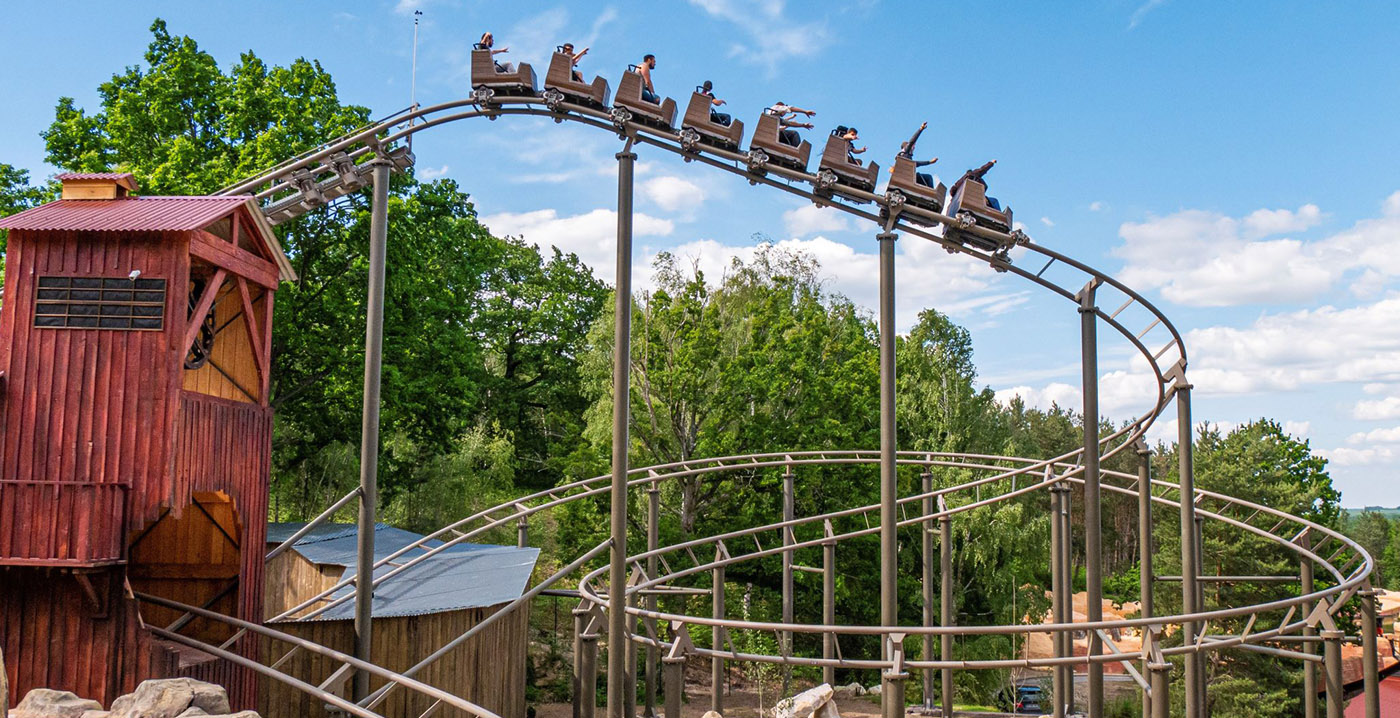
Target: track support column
pixel 928 531
pixel 829 603
pixel 622 355
pixel 1093 525
pixel 1369 668
pixel 945 600
pixel 1061 675
pixel 1305 576
pixel 1160 678
pixel 717 679
pixel 580 625
pixel 1332 668
pixel 893 679
pixel 588 672
pixel 789 513
pixel 1195 673
pixel 653 543
pixel 369 425
pixel 1144 455
pixel 674 667
pixel 889 487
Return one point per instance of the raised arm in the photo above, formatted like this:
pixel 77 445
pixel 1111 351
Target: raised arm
pixel 497 52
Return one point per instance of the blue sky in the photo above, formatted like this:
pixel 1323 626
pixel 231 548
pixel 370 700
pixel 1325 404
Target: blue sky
pixel 1234 161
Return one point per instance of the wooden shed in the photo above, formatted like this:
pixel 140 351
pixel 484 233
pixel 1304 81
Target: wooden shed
pixel 135 347
pixel 415 612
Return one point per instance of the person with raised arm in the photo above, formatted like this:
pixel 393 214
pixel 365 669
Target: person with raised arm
pixel 787 119
pixel 488 42
pixel 568 49
pixel 906 150
pixel 976 176
pixel 717 117
pixel 850 135
pixel 644 69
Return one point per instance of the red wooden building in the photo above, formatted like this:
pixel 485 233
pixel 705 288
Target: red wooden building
pixel 135 347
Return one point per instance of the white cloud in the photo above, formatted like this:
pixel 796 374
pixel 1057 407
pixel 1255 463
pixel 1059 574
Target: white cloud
pixel 1054 393
pixel 592 235
pixel 431 173
pixel 1097 206
pixel 1376 436
pixel 1142 11
pixel 1343 456
pixel 771 36
pixel 810 219
pixel 673 193
pixel 1377 409
pixel 1297 429
pixel 1203 258
pixel 1046 221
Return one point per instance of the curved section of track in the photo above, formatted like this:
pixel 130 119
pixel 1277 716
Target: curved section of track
pixel 996 479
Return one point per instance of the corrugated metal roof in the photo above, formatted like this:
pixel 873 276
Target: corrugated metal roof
pixel 116 176
pixel 129 214
pixel 464 575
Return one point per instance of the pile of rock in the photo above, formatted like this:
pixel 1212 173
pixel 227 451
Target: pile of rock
pixel 167 698
pixel 812 703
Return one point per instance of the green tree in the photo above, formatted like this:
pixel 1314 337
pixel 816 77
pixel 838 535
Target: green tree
pixel 1374 532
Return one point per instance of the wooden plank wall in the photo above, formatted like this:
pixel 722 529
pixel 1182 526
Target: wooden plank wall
pixel 290 579
pixel 232 351
pixel 489 670
pixel 86 527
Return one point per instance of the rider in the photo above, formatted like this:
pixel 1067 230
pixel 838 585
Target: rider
pixel 906 150
pixel 487 43
pixel 648 90
pixel 976 176
pixel 850 135
pixel 717 117
pixel 786 115
pixel 568 49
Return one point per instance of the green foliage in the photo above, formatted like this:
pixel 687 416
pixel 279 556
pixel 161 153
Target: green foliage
pixel 16 195
pixel 1381 538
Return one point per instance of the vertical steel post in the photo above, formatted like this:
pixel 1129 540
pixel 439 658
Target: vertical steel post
pixel 1369 669
pixel 1195 678
pixel 893 678
pixel 717 638
pixel 588 674
pixel 675 685
pixel 369 425
pixel 927 529
pixel 1067 580
pixel 1332 664
pixel 580 624
pixel 653 543
pixel 1145 548
pixel 829 604
pixel 1057 592
pixel 1307 585
pixel 629 689
pixel 1160 702
pixel 622 355
pixel 522 532
pixel 789 513
pixel 1093 524
pixel 889 489
pixel 945 599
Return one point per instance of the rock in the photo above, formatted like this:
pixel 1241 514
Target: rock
pixel 711 714
pixel 873 690
pixel 193 712
pixel 96 714
pixel 45 703
pixel 169 698
pixel 850 690
pixel 811 703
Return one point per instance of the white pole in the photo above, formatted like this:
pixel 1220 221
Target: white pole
pixel 413 77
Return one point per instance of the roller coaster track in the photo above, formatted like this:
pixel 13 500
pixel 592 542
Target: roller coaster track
pixel 336 168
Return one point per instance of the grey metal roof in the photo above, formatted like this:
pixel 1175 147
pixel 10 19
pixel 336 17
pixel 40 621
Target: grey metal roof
pixel 464 575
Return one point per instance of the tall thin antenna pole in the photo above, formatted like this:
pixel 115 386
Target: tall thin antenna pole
pixel 413 77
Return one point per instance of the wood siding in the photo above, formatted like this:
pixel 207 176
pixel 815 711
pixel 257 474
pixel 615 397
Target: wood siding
pixel 233 353
pixel 488 670
pixel 290 579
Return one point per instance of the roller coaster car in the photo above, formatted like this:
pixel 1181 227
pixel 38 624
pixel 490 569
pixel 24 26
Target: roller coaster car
pixel 560 78
pixel 970 201
pixel 905 182
pixel 836 160
pixel 629 95
pixel 697 118
pixel 767 143
pixel 520 83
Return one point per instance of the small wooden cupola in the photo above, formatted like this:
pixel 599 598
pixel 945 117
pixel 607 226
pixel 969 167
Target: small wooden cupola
pixel 97 185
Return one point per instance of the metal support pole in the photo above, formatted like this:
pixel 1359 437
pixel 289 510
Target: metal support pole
pixel 653 543
pixel 1145 548
pixel 1093 524
pixel 1067 580
pixel 1195 678
pixel 717 639
pixel 893 679
pixel 1369 667
pixel 1332 664
pixel 622 354
pixel 588 675
pixel 580 623
pixel 1160 701
pixel 1200 561
pixel 369 426
pixel 522 532
pixel 1059 676
pixel 675 685
pixel 1307 586
pixel 928 530
pixel 889 489
pixel 789 513
pixel 629 694
pixel 945 599
pixel 829 605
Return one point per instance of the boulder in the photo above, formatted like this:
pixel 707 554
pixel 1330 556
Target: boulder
pixel 96 714
pixel 169 698
pixel 850 690
pixel 812 703
pixel 874 690
pixel 45 703
pixel 712 714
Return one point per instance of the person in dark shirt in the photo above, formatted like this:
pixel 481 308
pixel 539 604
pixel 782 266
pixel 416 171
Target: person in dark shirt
pixel 906 150
pixel 568 49
pixel 488 42
pixel 976 176
pixel 717 117
pixel 850 135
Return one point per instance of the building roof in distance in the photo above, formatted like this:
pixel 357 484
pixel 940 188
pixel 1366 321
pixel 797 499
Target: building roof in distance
pixel 461 576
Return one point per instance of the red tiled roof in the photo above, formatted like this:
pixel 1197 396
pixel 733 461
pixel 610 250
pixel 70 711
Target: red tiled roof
pixel 130 214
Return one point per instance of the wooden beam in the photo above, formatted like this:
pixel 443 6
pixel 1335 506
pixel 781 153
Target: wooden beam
pixel 254 340
pixel 234 229
pixel 219 253
pixel 266 346
pixel 206 302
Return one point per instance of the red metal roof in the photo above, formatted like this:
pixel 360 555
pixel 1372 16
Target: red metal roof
pixel 93 176
pixel 130 214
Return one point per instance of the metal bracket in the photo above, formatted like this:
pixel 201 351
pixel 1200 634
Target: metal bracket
pixel 757 161
pixel 690 139
pixel 553 99
pixel 483 95
pixel 620 117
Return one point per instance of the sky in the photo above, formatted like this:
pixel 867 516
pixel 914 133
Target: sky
pixel 1235 162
